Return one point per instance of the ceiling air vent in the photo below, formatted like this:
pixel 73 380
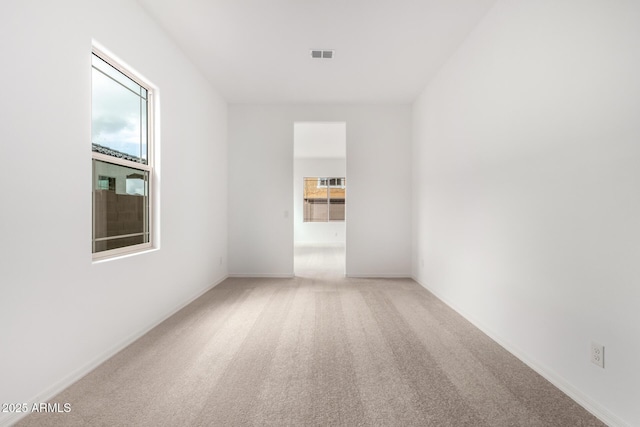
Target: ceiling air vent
pixel 322 54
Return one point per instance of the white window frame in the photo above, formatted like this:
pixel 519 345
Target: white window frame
pixel 148 167
pixel 327 182
pixel 324 182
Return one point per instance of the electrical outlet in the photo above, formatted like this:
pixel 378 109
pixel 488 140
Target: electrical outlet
pixel 597 354
pixel 220 260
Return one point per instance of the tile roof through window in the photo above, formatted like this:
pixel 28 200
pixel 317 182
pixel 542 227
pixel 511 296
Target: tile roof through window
pixel 114 153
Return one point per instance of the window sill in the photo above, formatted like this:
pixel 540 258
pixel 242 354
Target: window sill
pixel 120 253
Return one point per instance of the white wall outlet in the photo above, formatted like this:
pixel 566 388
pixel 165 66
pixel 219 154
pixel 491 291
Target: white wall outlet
pixel 597 354
pixel 220 260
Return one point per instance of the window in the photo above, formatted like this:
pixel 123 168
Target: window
pixel 324 199
pixel 106 183
pixel 121 157
pixel 331 182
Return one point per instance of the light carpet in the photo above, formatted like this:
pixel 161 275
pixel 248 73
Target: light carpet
pixel 315 351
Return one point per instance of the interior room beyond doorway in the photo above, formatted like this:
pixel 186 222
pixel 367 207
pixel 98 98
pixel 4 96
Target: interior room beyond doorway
pixel 320 202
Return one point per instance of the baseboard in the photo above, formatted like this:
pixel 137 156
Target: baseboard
pixel 58 387
pixel 261 276
pixel 550 375
pixel 378 276
pixel 320 244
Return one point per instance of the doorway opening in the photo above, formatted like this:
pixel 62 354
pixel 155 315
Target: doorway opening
pixel 320 198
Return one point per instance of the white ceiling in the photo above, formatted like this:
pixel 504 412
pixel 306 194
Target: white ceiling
pixel 256 51
pixel 314 140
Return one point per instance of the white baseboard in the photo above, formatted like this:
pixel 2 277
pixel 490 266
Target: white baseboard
pixel 261 276
pixel 59 386
pixel 341 244
pixel 378 276
pixel 550 375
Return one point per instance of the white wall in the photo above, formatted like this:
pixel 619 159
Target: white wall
pixel 316 232
pixel 526 191
pixel 261 221
pixel 59 312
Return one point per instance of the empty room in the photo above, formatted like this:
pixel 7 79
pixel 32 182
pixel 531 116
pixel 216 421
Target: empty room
pixel 320 213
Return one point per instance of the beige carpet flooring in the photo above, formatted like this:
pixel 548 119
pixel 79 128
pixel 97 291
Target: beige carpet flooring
pixel 316 350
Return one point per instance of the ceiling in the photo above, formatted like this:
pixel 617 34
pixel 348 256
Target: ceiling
pixel 256 51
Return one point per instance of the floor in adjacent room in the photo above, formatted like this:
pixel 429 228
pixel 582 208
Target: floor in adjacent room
pixel 318 349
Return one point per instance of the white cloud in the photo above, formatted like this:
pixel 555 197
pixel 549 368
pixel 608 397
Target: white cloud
pixel 116 115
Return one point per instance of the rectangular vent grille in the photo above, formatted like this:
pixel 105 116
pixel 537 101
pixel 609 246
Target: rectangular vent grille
pixel 322 54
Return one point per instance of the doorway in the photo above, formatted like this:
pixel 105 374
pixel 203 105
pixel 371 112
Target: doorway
pixel 320 202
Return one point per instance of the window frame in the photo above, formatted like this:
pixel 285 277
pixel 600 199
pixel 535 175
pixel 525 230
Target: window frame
pixel 325 183
pixel 148 167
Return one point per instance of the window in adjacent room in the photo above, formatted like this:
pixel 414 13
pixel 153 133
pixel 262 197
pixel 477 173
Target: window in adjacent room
pixel 121 157
pixel 324 199
pixel 331 182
